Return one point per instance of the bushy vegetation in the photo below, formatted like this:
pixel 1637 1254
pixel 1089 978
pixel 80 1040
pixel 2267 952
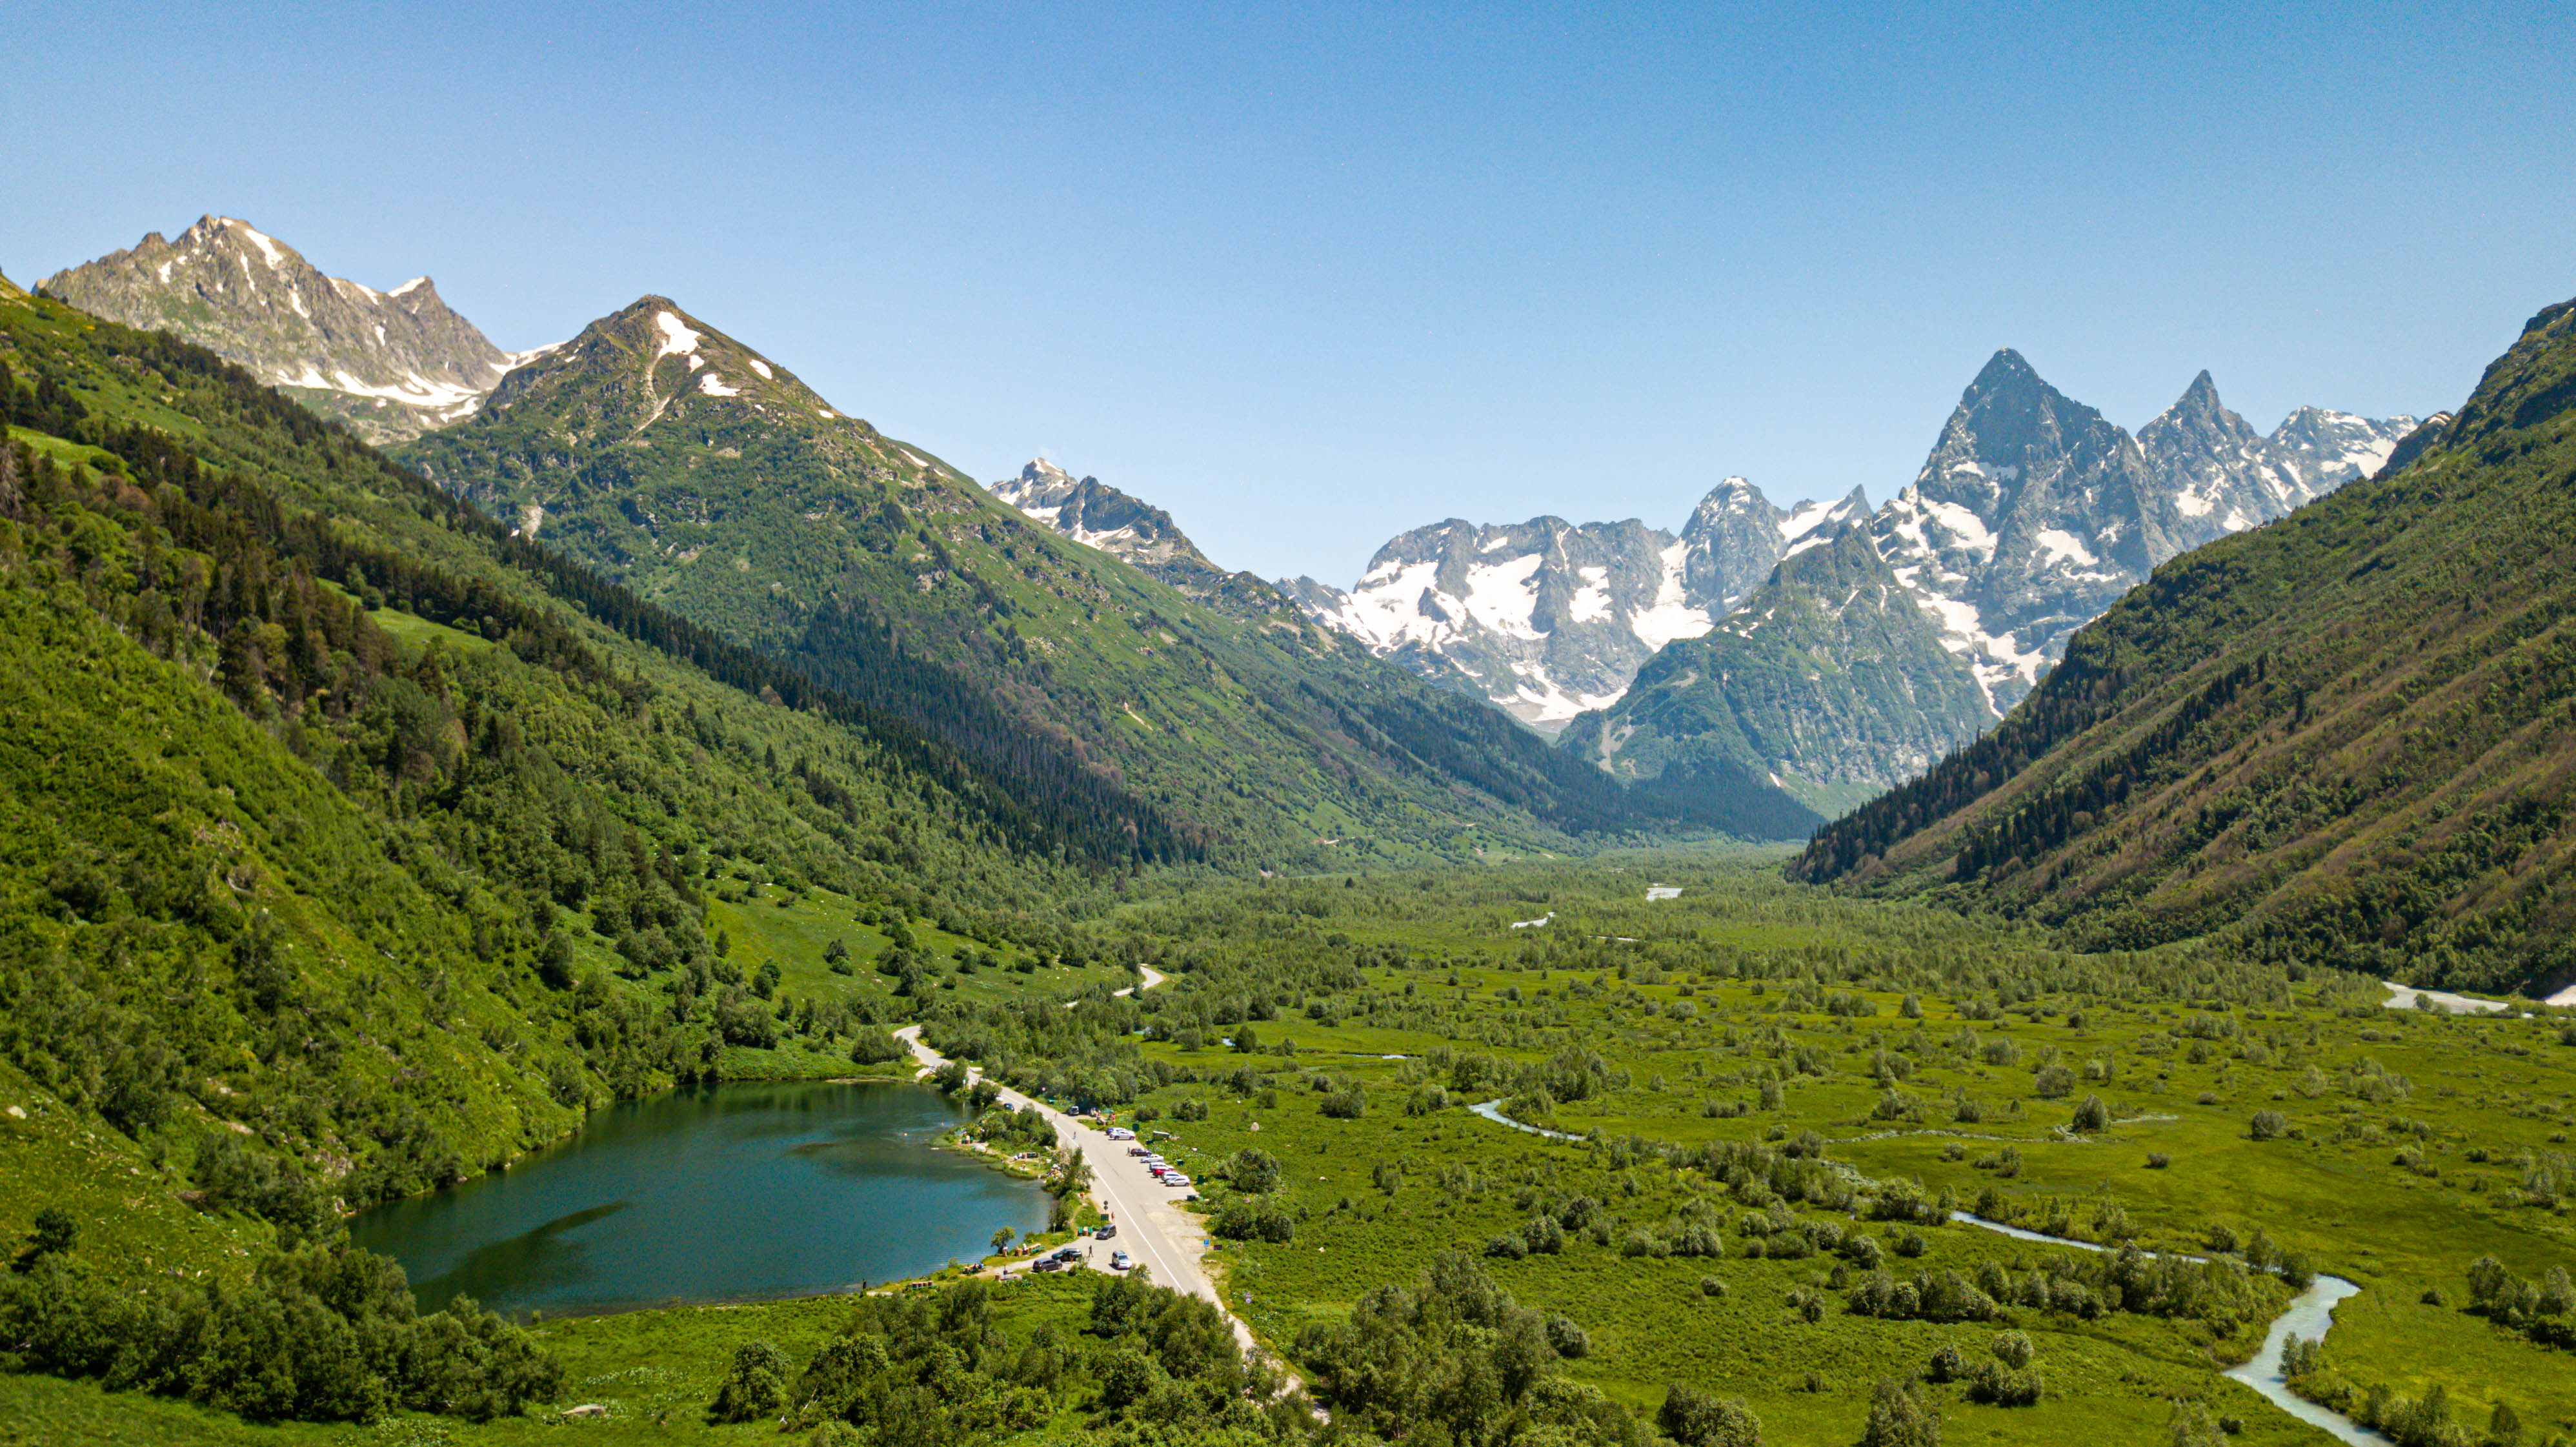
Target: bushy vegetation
pixel 1455 1354
pixel 313 1334
pixel 1724 1063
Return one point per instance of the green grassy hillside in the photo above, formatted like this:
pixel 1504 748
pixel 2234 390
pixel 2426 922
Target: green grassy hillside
pixel 334 828
pixel 682 464
pixel 2344 738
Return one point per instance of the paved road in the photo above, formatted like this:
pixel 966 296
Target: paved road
pixel 1152 1228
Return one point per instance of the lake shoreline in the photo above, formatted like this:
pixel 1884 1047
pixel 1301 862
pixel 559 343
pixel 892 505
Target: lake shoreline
pixel 712 1195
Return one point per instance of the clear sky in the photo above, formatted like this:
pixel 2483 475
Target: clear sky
pixel 1311 275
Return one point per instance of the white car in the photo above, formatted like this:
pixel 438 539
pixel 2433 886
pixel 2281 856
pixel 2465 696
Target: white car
pixel 1175 1178
pixel 1121 1133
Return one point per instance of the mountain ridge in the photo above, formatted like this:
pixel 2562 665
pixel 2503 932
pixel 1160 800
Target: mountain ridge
pixel 2336 739
pixel 683 465
pixel 2031 513
pixel 1830 680
pixel 1547 619
pixel 391 364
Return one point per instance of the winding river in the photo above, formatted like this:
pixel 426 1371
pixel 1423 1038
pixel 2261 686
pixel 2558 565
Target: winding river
pixel 713 1193
pixel 2309 1315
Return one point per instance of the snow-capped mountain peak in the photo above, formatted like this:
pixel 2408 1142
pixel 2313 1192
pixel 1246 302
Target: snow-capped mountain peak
pixel 391 364
pixel 1549 618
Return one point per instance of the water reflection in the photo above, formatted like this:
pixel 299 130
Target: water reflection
pixel 716 1193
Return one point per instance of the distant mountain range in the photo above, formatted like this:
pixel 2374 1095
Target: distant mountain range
pixel 391 364
pixel 1757 656
pixel 2031 515
pixel 682 463
pixel 2341 740
pixel 1548 618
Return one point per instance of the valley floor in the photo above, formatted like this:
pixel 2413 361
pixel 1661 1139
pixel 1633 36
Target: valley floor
pixel 1763 1096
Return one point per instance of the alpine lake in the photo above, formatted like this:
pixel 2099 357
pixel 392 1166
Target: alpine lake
pixel 734 1192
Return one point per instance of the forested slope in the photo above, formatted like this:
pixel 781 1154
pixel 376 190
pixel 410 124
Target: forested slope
pixel 680 462
pixel 2345 738
pixel 330 826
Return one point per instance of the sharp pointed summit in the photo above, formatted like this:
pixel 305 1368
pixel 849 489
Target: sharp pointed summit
pixel 2224 477
pixel 391 364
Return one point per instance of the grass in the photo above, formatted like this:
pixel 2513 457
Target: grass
pixel 2334 1193
pixel 655 1372
pixel 1377 1197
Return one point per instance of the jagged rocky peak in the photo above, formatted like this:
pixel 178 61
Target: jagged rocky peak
pixel 2212 465
pixel 2224 478
pixel 1097 515
pixel 2031 515
pixel 1548 618
pixel 2325 449
pixel 392 364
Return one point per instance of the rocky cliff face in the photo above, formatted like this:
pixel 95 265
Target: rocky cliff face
pixel 1549 618
pixel 1097 515
pixel 392 364
pixel 2032 515
pixel 1853 670
pixel 2224 478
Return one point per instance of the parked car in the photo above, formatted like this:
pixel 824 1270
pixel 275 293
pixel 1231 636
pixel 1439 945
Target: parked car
pixel 1118 1261
pixel 1175 1178
pixel 1107 1230
pixel 1069 1253
pixel 1121 1133
pixel 1137 1151
pixel 1049 1264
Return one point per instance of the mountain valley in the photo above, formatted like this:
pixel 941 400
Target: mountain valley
pixel 395 787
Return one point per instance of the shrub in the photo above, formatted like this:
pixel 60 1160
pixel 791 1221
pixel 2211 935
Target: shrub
pixel 1346 1104
pixel 1997 1385
pixel 2091 1115
pixel 316 1334
pixel 2268 1125
pixel 1253 1171
pixel 756 1387
pixel 56 1232
pixel 1568 1337
pixel 1713 1288
pixel 1255 1220
pixel 1702 1419
pixel 1897 1418
pixel 2158 1160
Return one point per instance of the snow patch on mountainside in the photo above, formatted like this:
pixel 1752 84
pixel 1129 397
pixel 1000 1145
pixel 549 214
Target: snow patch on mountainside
pixel 389 364
pixel 1671 615
pixel 677 338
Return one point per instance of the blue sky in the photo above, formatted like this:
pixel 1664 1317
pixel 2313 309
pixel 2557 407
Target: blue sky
pixel 1311 275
